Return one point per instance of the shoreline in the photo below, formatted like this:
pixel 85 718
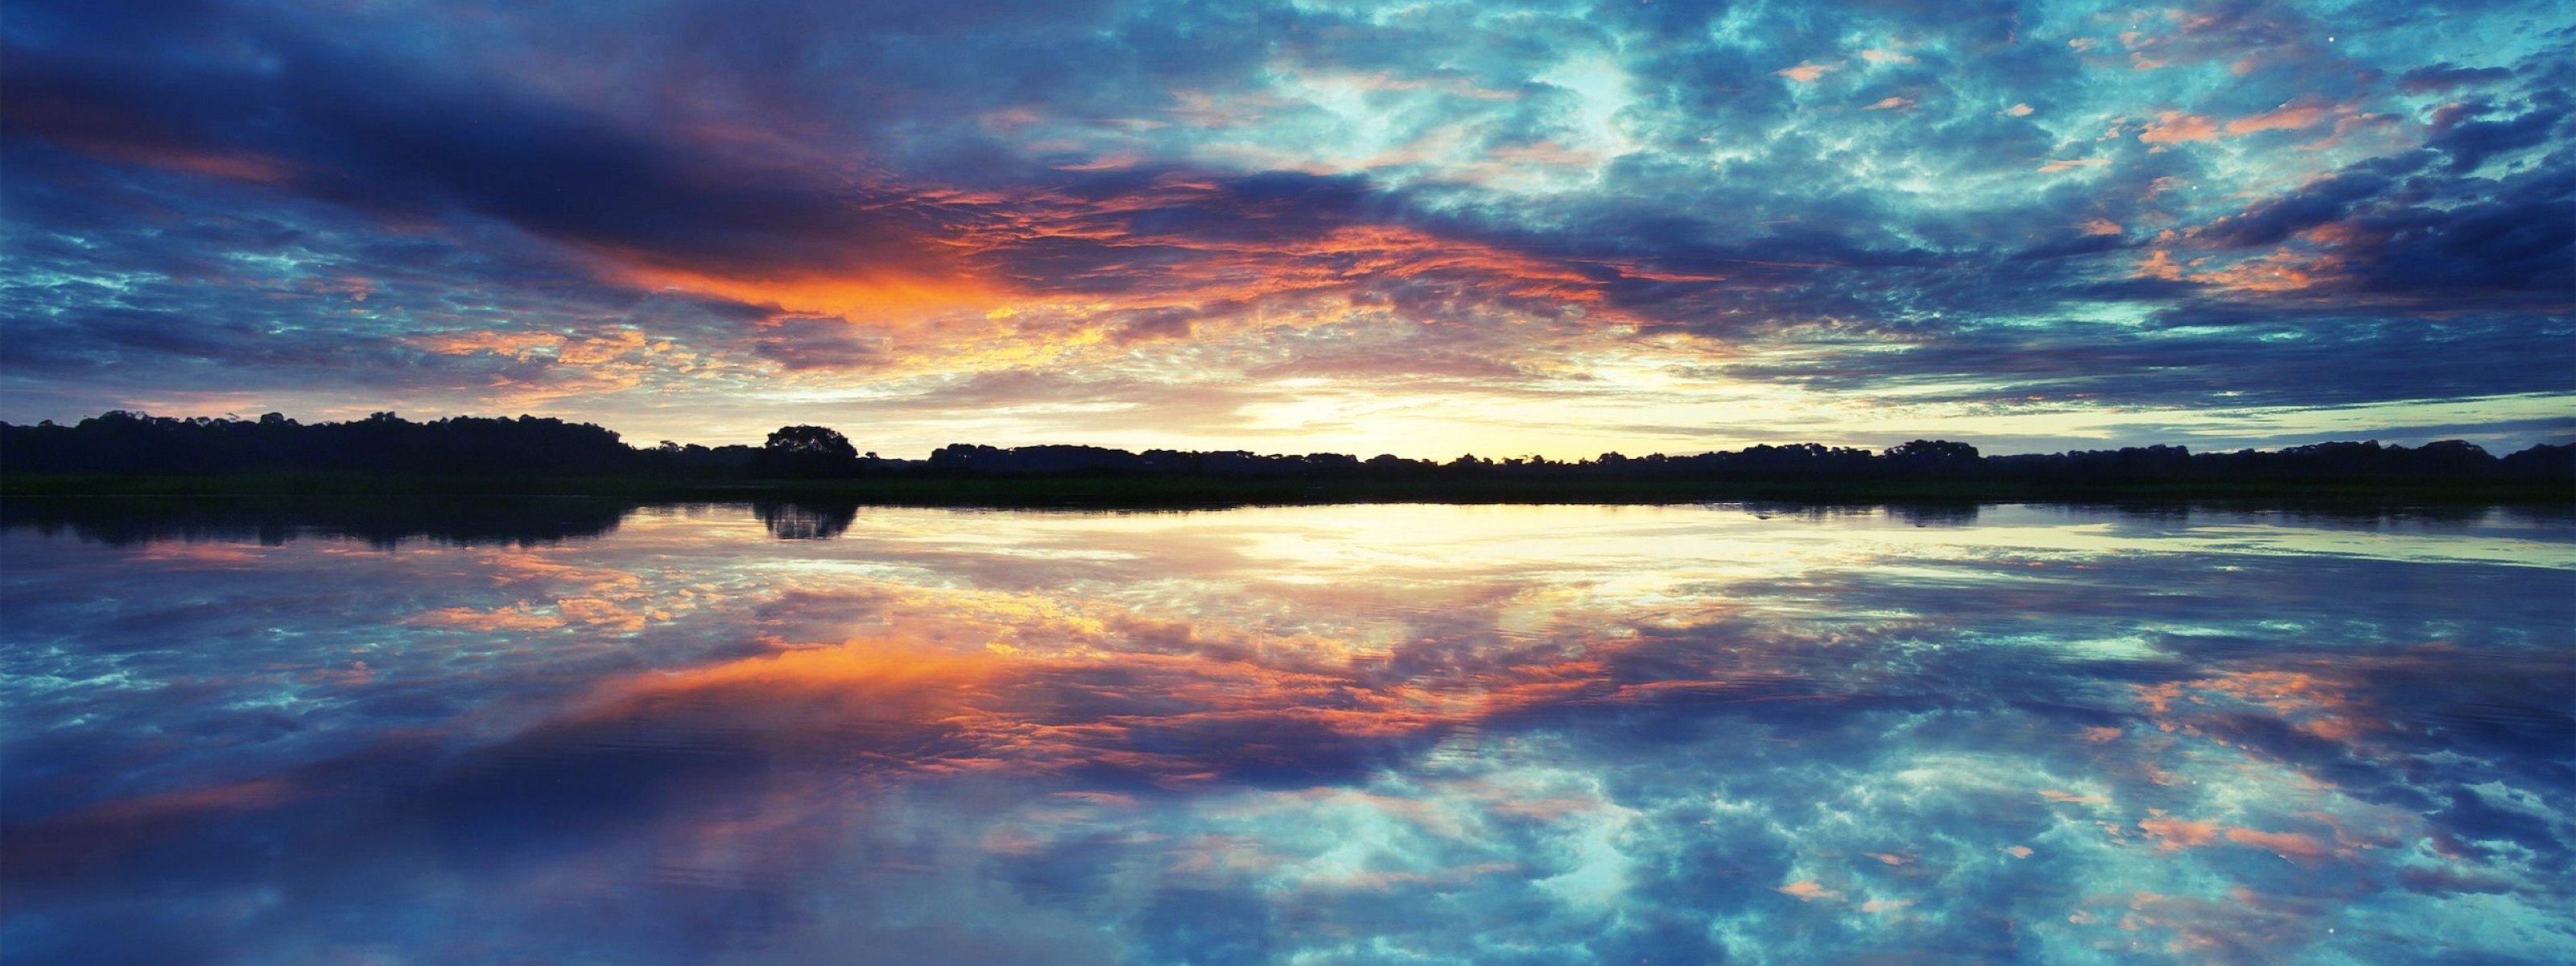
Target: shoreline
pixel 1166 491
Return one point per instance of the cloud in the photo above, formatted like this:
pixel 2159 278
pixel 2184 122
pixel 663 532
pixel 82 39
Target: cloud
pixel 2284 118
pixel 1808 72
pixel 2471 142
pixel 2177 127
pixel 2438 78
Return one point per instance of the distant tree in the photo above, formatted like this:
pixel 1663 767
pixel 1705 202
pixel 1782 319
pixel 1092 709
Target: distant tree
pixel 815 441
pixel 808 451
pixel 1932 451
pixel 1929 458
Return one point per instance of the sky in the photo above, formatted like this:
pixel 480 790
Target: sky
pixel 1421 228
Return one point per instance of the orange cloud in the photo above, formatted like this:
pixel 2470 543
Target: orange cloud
pixel 2283 118
pixel 117 134
pixel 1807 72
pixel 2284 270
pixel 880 296
pixel 2285 844
pixel 1807 890
pixel 2176 127
pixel 2384 126
pixel 2159 263
pixel 603 348
pixel 1015 278
pixel 2172 834
pixel 255 168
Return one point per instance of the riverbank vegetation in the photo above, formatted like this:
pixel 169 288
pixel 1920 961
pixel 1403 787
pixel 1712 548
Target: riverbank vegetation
pixel 136 454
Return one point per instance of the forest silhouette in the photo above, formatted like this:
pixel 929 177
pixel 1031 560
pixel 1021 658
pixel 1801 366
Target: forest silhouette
pixel 125 451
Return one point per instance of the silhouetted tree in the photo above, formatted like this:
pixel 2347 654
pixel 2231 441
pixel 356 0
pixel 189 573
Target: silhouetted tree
pixel 125 442
pixel 1933 452
pixel 384 443
pixel 808 451
pixel 811 441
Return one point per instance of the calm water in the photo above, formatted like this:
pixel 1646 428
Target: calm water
pixel 1395 734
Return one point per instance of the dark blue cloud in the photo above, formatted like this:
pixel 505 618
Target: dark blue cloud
pixel 2444 77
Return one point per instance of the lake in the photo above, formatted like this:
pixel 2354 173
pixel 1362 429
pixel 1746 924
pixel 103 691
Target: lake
pixel 571 733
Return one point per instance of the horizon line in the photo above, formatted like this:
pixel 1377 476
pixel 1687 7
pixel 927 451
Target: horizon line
pixel 1498 456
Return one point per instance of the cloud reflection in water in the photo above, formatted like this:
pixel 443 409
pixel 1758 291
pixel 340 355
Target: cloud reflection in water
pixel 1369 734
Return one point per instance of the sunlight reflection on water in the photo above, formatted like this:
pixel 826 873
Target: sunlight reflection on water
pixel 1349 734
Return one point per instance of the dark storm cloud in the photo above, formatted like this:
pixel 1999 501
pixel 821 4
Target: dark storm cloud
pixel 363 132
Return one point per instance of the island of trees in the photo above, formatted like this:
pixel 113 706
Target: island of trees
pixel 126 452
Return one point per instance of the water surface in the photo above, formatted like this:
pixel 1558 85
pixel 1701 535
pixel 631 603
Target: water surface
pixel 1364 734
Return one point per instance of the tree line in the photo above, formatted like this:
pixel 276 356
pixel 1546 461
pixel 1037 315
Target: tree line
pixel 130 443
